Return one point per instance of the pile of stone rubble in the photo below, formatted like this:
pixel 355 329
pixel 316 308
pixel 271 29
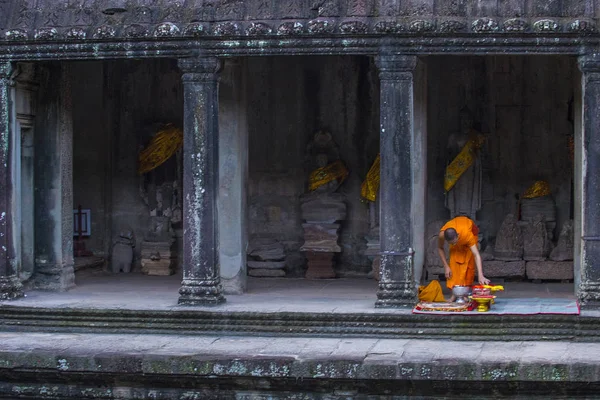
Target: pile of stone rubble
pixel 266 258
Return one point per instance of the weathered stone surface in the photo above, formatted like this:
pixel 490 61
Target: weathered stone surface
pixel 376 268
pixel 266 264
pixel 433 262
pixel 504 269
pixel 509 240
pixel 544 205
pixel 54 181
pixel 397 284
pixel 488 253
pixel 162 267
pixel 201 284
pixel 273 273
pixel 564 248
pixel 556 270
pixel 321 237
pixel 265 249
pixel 587 175
pixel 536 244
pixel 320 265
pixel 295 263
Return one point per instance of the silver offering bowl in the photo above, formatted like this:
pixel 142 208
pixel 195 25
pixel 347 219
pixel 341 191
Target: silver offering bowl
pixel 461 293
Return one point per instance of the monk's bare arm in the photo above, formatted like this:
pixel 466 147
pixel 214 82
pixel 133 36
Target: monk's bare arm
pixel 482 279
pixel 442 254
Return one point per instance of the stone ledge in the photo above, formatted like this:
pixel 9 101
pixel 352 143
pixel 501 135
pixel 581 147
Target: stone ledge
pixel 130 363
pixel 504 269
pixel 557 270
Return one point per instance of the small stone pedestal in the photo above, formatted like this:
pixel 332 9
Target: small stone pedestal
pixel 159 258
pixel 320 265
pixel 320 244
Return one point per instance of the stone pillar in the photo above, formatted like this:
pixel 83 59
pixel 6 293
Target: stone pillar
pixel 25 95
pixel 397 284
pixel 587 155
pixel 53 141
pixel 201 277
pixel 10 286
pixel 233 177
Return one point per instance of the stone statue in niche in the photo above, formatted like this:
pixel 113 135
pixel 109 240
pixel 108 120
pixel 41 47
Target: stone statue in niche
pixel 464 196
pixel 322 206
pixel 509 240
pixel 122 252
pixel 160 187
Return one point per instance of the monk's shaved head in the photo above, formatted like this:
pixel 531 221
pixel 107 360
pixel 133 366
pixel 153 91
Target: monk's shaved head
pixel 450 234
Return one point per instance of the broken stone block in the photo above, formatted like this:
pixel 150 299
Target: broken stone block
pixel 321 237
pixel 554 270
pixel 564 249
pixel 324 208
pixel 272 273
pixel 536 244
pixel 509 240
pixel 504 269
pixel 266 264
pixel 264 251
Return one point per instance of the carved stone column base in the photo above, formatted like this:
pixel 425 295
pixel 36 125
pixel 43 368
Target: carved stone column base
pixel 398 294
pixel 198 292
pixel 10 288
pixel 56 278
pixel 320 265
pixel 589 295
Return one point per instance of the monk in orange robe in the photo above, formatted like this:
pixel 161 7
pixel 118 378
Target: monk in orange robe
pixel 461 233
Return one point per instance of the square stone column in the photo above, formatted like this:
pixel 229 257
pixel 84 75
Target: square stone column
pixel 10 286
pixel 201 273
pixel 587 155
pixel 233 177
pixel 53 176
pixel 397 283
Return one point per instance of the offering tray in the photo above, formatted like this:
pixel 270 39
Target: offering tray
pixel 483 302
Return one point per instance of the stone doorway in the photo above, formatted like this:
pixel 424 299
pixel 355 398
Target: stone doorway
pixel 519 189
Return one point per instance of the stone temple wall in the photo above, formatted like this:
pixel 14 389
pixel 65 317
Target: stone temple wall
pixel 289 99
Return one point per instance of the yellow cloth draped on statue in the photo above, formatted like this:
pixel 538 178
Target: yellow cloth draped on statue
pixel 462 161
pixel 538 189
pixel 324 175
pixel 370 186
pixel 431 293
pixel 162 146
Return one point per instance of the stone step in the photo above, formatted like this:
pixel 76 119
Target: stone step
pixel 403 324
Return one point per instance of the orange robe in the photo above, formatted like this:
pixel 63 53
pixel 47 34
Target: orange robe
pixel 462 260
pixel 431 293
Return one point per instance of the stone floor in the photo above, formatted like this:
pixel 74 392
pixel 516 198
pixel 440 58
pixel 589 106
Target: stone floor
pixel 98 289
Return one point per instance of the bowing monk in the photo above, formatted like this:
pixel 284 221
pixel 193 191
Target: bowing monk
pixel 461 233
